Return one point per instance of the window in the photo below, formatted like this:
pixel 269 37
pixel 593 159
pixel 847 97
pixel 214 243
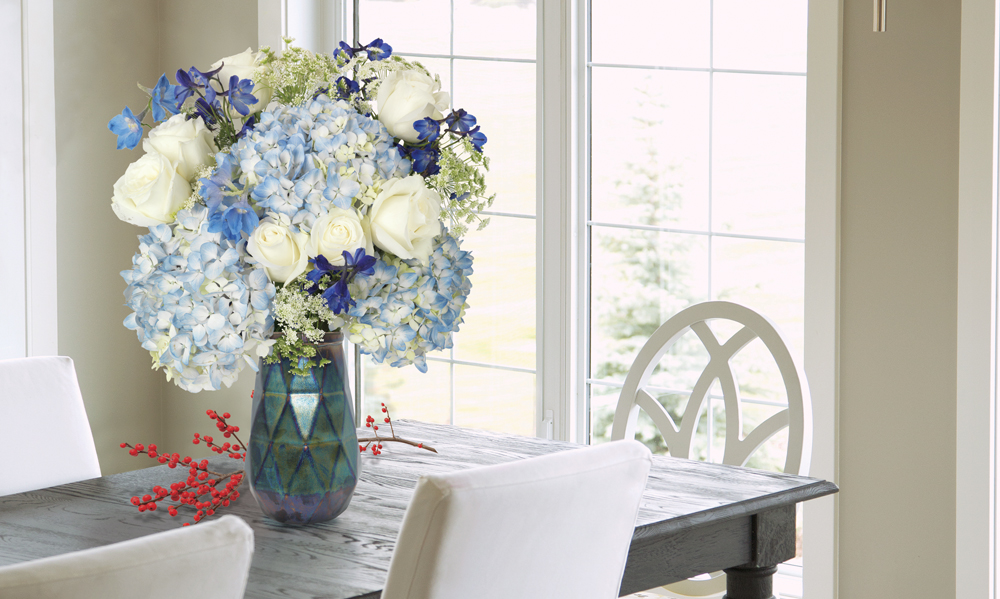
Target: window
pixel 690 138
pixel 487 380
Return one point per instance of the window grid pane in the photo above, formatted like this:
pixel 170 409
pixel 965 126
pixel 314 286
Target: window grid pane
pixel 481 76
pixel 696 192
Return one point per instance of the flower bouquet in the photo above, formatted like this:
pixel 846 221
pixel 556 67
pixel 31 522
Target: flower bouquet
pixel 293 194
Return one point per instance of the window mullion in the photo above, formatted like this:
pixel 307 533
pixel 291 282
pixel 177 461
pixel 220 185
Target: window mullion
pixel 558 230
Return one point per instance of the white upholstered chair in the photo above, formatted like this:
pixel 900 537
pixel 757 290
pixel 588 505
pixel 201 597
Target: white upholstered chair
pixel 797 417
pixel 211 559
pixel 44 423
pixel 558 525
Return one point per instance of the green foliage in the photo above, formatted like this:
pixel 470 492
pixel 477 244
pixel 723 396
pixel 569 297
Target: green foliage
pixel 462 185
pixel 295 74
pixel 303 319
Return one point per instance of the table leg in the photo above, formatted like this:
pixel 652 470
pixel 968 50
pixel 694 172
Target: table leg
pixel 750 582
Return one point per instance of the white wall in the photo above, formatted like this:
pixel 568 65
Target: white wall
pixel 899 240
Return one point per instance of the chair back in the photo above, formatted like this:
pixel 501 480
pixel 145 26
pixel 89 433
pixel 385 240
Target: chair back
pixel 44 424
pixel 797 417
pixel 211 559
pixel 558 525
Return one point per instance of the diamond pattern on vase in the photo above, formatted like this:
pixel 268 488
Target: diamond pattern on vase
pixel 306 479
pixel 304 408
pixel 303 452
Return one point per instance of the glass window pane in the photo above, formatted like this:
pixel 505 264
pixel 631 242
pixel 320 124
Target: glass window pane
pixel 437 66
pixel 407 392
pixel 758 155
pixel 499 325
pixel 649 147
pixel 494 399
pixel 764 35
pixel 496 28
pixel 420 26
pixel 501 95
pixel 669 33
pixel 766 276
pixel 639 279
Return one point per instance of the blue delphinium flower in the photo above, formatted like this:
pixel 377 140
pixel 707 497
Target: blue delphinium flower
pixel 240 94
pixel 478 139
pixel 338 295
pixel 460 121
pixel 427 130
pixel 425 161
pixel 164 99
pixel 128 129
pixel 378 50
pixel 345 49
pixel 346 87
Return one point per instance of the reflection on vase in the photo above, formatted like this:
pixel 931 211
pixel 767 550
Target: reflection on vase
pixel 303 454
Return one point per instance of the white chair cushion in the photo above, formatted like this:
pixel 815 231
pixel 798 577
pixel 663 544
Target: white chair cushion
pixel 554 526
pixel 44 423
pixel 211 559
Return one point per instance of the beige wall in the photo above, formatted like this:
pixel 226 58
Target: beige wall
pixel 102 49
pixel 899 240
pixel 223 28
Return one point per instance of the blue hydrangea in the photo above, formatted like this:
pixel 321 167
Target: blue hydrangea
pixel 300 161
pixel 405 309
pixel 199 305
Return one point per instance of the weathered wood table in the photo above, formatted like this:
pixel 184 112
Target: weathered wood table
pixel 695 518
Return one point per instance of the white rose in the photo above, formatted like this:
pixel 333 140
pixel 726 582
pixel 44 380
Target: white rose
pixel 244 65
pixel 150 192
pixel 337 231
pixel 404 218
pixel 186 143
pixel 405 97
pixel 281 252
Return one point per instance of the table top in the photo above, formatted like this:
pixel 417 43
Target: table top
pixel 349 556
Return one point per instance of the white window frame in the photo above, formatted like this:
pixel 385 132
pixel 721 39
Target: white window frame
pixel 976 518
pixel 28 156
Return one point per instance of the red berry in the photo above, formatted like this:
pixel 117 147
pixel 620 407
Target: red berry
pixel 420 445
pixel 375 427
pixel 139 446
pixel 133 452
pixel 152 453
pixel 152 446
pixel 195 440
pixel 387 421
pixel 251 394
pixel 383 405
pixel 123 445
pixel 226 415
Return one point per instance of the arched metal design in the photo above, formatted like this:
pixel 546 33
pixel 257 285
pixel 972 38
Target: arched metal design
pixel 797 417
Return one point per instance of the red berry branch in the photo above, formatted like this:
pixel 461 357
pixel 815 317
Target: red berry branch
pixel 203 490
pixel 376 442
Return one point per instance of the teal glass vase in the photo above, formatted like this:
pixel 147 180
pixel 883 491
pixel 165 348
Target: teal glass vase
pixel 303 457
